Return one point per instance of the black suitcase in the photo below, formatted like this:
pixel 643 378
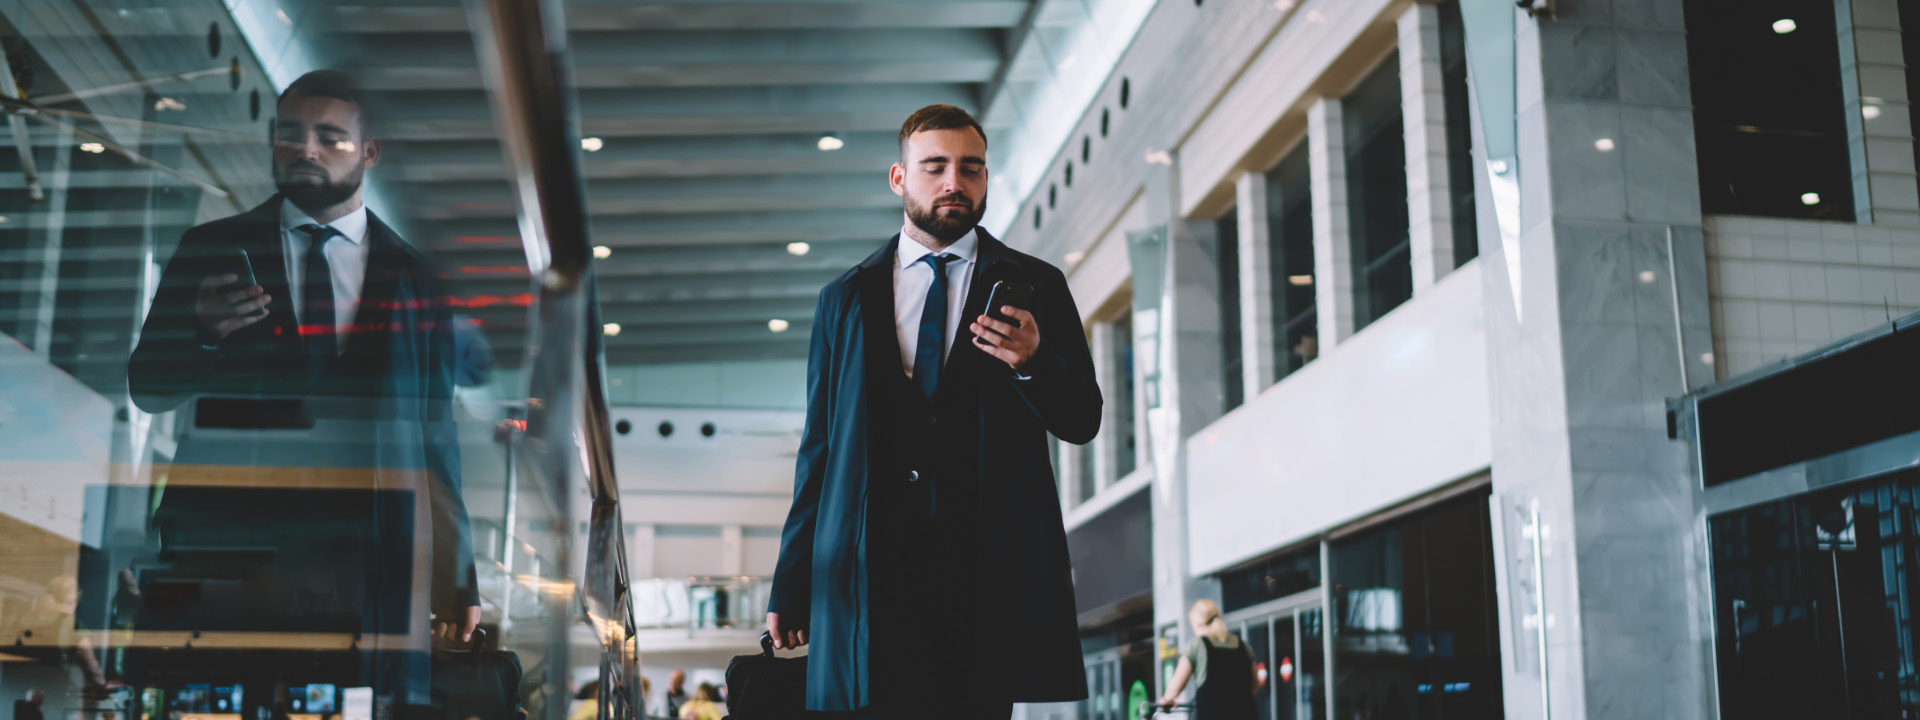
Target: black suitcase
pixel 476 682
pixel 765 687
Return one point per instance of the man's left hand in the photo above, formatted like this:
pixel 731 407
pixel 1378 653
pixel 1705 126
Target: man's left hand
pixel 458 627
pixel 1013 344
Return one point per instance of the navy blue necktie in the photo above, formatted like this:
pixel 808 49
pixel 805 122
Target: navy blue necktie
pixel 933 328
pixel 316 301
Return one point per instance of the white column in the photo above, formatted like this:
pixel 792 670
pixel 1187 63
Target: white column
pixel 1423 108
pixel 732 550
pixel 1332 241
pixel 1256 286
pixel 1106 444
pixel 640 557
pixel 1873 83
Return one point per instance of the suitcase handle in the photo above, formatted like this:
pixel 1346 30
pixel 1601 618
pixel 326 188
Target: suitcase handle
pixel 766 643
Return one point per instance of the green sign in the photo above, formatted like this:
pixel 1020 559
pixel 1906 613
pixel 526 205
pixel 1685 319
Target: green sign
pixel 1136 699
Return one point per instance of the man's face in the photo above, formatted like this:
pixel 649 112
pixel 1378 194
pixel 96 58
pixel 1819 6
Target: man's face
pixel 319 153
pixel 677 679
pixel 942 181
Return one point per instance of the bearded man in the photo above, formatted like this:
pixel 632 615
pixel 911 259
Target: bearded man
pixel 924 557
pixel 339 313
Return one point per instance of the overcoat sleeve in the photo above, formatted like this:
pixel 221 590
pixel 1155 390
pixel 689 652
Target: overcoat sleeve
pixel 792 592
pixel 1061 387
pixel 170 362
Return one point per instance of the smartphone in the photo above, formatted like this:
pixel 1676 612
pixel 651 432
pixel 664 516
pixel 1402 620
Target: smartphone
pixel 245 271
pixel 1005 293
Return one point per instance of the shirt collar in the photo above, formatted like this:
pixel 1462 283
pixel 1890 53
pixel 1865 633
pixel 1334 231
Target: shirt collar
pixel 911 250
pixel 352 226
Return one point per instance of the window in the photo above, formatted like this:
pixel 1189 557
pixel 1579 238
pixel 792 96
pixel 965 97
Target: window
pixel 1271 579
pixel 1377 195
pixel 1812 603
pixel 1296 335
pixel 1226 255
pixel 1125 446
pixel 1769 115
pixel 1083 479
pixel 1415 614
pixel 1460 167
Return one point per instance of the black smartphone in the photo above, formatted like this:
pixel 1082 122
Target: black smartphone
pixel 1006 293
pixel 244 269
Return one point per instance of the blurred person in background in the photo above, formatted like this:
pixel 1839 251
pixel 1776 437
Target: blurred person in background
pixel 705 705
pixel 1219 666
pixel 28 707
pixel 676 694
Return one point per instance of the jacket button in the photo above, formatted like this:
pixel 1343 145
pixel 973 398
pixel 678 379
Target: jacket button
pixel 931 418
pixel 913 475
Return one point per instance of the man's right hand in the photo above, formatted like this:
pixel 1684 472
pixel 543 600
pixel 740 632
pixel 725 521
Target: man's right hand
pixel 223 311
pixel 785 638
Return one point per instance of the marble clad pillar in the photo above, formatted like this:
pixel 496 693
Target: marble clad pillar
pixel 1609 321
pixel 1192 388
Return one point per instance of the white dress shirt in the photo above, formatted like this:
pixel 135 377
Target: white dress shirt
pixel 912 278
pixel 346 257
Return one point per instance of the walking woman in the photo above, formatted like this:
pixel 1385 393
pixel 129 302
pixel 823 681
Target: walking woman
pixel 1220 666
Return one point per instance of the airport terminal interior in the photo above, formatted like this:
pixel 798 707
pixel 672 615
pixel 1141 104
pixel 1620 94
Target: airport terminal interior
pixel 1451 359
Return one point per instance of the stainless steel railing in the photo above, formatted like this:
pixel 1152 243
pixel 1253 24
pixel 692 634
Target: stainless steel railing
pixel 701 603
pixel 522 47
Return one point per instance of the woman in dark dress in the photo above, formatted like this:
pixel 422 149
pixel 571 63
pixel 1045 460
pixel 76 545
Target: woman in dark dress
pixel 1220 667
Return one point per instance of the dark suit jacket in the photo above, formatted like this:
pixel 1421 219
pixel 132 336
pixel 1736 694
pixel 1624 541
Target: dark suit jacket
pixel 400 360
pixel 1021 588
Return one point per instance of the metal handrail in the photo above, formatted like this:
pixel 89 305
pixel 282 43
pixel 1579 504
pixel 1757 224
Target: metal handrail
pixel 568 438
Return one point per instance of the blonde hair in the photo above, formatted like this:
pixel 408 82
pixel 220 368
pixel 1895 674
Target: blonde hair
pixel 1206 616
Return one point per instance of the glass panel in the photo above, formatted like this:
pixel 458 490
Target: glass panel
pixel 1283 672
pixel 1278 577
pixel 1313 663
pixel 1812 603
pixel 1290 257
pixel 258 419
pixel 1226 254
pixel 1126 448
pixel 1460 167
pixel 1377 194
pixel 1771 124
pixel 1416 611
pixel 1257 637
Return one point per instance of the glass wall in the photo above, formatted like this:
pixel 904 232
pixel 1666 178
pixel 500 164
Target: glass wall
pixel 1769 114
pixel 1453 79
pixel 259 461
pixel 1296 334
pixel 1377 194
pixel 1226 253
pixel 1417 635
pixel 1813 609
pixel 1277 577
pixel 1126 446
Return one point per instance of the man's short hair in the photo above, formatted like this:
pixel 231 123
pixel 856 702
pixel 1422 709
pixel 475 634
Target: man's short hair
pixel 937 117
pixel 328 84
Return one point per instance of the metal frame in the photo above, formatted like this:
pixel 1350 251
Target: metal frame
pixel 568 436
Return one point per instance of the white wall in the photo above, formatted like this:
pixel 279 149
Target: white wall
pixel 1397 410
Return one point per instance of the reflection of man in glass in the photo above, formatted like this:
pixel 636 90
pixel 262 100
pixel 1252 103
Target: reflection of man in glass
pixel 309 295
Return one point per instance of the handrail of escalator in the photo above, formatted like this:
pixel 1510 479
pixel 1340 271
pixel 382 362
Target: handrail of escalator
pixel 522 45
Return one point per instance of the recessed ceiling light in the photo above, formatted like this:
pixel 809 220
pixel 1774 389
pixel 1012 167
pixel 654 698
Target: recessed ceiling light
pixel 1299 280
pixel 1870 112
pixel 1646 277
pixel 591 144
pixel 611 328
pixel 777 325
pixel 1810 199
pixel 3 219
pixel 95 148
pixel 830 141
pixel 282 14
pixel 602 252
pixel 167 103
pixel 1074 257
pixel 1603 144
pixel 798 248
pixel 1785 25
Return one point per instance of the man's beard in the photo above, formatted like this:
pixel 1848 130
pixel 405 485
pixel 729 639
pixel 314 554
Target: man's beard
pixel 311 196
pixel 945 229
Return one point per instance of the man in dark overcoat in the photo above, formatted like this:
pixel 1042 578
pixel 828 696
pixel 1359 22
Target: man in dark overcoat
pixel 341 313
pixel 924 558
